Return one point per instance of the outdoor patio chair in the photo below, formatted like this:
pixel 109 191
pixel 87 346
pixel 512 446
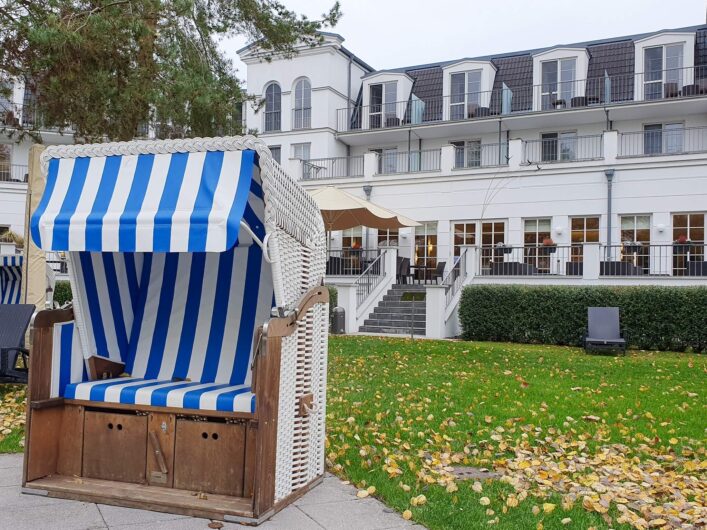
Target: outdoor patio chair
pixel 189 376
pixel 603 330
pixel 438 273
pixel 14 319
pixel 403 272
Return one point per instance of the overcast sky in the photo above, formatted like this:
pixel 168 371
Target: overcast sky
pixel 394 33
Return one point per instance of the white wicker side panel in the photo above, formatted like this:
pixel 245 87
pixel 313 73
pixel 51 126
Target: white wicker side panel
pixel 285 418
pixel 319 375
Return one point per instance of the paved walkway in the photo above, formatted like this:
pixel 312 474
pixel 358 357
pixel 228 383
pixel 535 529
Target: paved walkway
pixel 332 505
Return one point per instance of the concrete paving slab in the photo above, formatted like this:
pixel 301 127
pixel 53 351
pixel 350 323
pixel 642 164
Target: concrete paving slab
pixel 330 506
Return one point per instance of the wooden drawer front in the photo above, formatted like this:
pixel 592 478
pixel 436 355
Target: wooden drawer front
pixel 209 457
pixel 115 447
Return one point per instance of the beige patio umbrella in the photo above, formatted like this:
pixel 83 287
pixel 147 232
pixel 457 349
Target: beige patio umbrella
pixel 342 210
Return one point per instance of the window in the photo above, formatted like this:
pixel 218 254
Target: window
pixel 425 249
pixel 352 238
pixel 467 153
pixel 5 162
pixel 387 160
pixel 465 93
pixel 382 101
pixel 635 241
pixel 301 151
pixel 688 242
pixel 582 230
pixel 558 83
pixel 535 231
pixel 276 152
pixel 663 138
pixel 388 238
pixel 558 146
pixel 662 71
pixel 464 234
pixel 273 106
pixel 303 105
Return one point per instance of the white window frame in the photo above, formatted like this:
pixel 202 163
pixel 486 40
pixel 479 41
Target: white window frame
pixel 685 76
pixel 388 105
pixel 564 88
pixel 469 97
pixel 672 137
pixel 563 138
pixel 302 104
pixel 469 148
pixel 276 114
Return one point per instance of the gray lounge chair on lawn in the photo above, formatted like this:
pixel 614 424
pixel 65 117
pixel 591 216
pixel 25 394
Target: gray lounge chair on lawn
pixel 14 319
pixel 603 330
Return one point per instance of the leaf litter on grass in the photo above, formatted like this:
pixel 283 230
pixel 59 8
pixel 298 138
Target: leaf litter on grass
pixel 12 410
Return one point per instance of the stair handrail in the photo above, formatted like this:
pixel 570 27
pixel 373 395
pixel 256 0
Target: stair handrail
pixel 454 279
pixel 367 281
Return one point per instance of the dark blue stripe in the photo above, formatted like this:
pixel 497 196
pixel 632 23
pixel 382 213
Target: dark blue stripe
pixel 140 313
pixel 65 343
pixel 115 301
pixel 164 312
pixel 159 396
pixel 94 303
pixel 60 237
pixel 218 317
pixel 192 399
pixel 131 273
pixel 186 340
pixel 256 189
pixel 129 393
pixel 241 199
pixel 199 220
pixel 168 203
pixel 94 220
pixel 252 404
pixel 128 219
pixel 248 310
pixel 48 190
pixel 254 222
pixel 224 402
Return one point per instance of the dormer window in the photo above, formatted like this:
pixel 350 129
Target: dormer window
pixel 465 93
pixel 558 82
pixel 383 97
pixel 663 71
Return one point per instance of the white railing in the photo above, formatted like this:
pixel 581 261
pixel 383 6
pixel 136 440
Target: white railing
pixel 636 259
pixel 455 278
pixel 13 173
pixel 664 141
pixel 370 278
pixel 392 162
pixel 567 149
pixel 481 155
pixel 332 168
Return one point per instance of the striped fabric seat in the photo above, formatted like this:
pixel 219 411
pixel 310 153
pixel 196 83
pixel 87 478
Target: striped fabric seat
pixel 165 278
pixel 10 279
pixel 158 393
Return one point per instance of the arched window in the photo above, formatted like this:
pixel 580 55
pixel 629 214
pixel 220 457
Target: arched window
pixel 303 105
pixel 273 103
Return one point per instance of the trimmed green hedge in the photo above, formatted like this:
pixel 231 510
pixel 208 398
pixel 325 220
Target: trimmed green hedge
pixel 663 318
pixel 62 292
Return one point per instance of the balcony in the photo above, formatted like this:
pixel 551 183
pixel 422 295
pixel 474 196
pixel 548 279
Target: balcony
pixel 13 173
pixel 332 168
pixel 646 259
pixel 663 141
pixel 580 94
pixel 350 261
pixel 563 148
pixel 395 162
pixel 480 156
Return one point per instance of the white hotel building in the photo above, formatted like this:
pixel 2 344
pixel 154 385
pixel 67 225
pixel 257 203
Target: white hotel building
pixel 578 164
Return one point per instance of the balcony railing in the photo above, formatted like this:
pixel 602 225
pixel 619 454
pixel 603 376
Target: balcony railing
pixel 350 261
pixel 392 162
pixel 481 155
pixel 13 173
pixel 563 149
pixel 332 168
pixel 664 141
pixel 455 278
pixel 581 93
pixel 645 259
pixel 531 260
pixel 370 278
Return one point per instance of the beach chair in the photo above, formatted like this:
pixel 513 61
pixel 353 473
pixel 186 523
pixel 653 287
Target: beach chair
pixel 189 376
pixel 10 279
pixel 14 319
pixel 603 330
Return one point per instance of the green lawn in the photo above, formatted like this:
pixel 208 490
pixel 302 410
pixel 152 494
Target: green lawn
pixel 400 411
pixel 12 416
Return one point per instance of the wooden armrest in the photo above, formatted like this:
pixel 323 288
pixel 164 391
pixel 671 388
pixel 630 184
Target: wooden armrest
pixel 49 317
pixel 284 326
pixel 102 368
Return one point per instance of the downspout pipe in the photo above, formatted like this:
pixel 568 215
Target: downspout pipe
pixel 348 106
pixel 609 173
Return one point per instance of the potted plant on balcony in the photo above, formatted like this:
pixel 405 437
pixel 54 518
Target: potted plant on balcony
pixel 548 247
pixel 681 245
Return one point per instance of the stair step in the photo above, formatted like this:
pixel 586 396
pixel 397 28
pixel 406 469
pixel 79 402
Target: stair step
pixel 394 330
pixel 402 310
pixel 397 317
pixel 411 287
pixel 401 304
pixel 395 323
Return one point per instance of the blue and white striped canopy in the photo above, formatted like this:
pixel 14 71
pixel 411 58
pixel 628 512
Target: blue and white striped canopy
pixel 10 279
pixel 180 202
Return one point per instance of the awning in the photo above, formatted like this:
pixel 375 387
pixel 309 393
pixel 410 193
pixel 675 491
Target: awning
pixel 181 202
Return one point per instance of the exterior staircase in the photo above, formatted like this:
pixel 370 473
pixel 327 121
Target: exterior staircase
pixel 393 314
